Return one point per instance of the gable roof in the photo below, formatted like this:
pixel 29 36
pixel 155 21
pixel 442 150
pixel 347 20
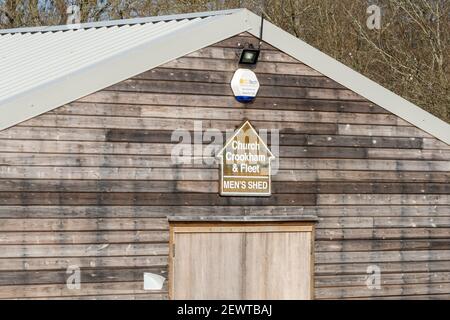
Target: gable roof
pixel 43 68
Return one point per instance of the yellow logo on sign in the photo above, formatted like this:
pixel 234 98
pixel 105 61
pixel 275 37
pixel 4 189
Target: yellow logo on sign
pixel 246 81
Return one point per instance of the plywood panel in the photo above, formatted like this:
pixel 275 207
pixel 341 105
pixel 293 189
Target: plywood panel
pixel 208 266
pixel 254 263
pixel 278 265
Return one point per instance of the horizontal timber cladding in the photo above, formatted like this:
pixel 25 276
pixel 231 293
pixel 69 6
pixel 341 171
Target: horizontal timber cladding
pixel 92 183
pixel 157 186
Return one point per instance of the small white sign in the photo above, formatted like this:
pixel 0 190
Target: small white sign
pixel 245 85
pixel 153 281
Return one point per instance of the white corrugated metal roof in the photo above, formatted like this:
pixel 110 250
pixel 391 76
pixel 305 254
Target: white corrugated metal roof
pixel 36 58
pixel 46 67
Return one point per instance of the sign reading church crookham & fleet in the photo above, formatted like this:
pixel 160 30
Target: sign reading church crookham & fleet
pixel 245 164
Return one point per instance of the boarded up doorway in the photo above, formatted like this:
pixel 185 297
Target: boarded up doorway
pixel 247 260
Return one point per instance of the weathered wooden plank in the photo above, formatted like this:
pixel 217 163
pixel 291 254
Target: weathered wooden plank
pixel 144 198
pixel 53 185
pixel 85 237
pixel 111 173
pixel 90 147
pixel 136 296
pixel 388 199
pixel 79 134
pixel 158 161
pixel 99 173
pixel 58 263
pixel 378 211
pixel 365 165
pixel 142 98
pixel 223 77
pixel 373 176
pixel 232 53
pixel 45 146
pixel 390 131
pixel 439 154
pixel 432 143
pixel 285 139
pixel 383 233
pixel 211 113
pixel 96 275
pixel 348 141
pixel 63 134
pixel 443 296
pixel 85 211
pixel 382 256
pixel 386 279
pixel 83 250
pixel 361 187
pixel 165 136
pixel 340 152
pixel 345 222
pixel 61 290
pixel 230 65
pixel 382 245
pixel 94 160
pixel 218 89
pixel 52 120
pixel 415 222
pixel 140 136
pixel 387 290
pixel 386 267
pixel 84 224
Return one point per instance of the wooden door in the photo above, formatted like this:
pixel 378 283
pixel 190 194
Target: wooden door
pixel 241 261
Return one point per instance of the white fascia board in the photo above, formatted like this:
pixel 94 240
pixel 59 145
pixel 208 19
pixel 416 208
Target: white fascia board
pixel 349 78
pixel 70 87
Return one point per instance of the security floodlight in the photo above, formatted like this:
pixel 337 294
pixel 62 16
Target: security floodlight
pixel 249 56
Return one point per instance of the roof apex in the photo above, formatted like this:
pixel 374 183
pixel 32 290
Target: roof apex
pixel 237 131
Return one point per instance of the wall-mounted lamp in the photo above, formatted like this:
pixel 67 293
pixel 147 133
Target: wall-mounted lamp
pixel 249 56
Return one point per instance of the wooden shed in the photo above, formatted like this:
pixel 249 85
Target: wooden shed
pixel 358 208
